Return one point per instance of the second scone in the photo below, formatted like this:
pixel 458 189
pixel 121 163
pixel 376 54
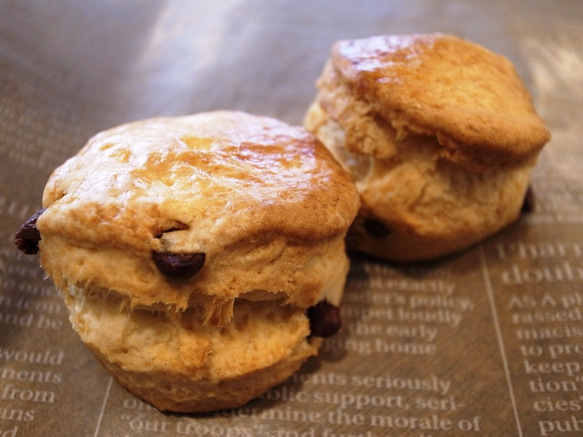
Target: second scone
pixel 202 257
pixel 439 134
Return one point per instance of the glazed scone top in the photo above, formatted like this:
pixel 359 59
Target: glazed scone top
pixel 440 85
pixel 244 190
pixel 228 170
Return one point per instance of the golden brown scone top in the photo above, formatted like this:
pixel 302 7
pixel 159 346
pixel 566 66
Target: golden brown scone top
pixel 264 201
pixel 224 173
pixel 440 85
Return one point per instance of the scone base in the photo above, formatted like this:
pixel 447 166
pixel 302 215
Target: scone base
pixel 179 363
pixel 172 393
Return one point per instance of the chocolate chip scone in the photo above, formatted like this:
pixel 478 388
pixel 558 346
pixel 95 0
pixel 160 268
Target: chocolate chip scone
pixel 439 134
pixel 201 258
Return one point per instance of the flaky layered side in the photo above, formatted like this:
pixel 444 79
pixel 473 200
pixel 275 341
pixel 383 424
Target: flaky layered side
pixel 439 135
pixel 191 252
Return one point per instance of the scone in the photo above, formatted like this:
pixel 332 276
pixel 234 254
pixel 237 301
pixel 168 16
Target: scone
pixel 439 134
pixel 201 258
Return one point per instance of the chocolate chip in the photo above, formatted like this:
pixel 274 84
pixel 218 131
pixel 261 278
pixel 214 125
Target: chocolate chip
pixel 376 228
pixel 528 203
pixel 178 265
pixel 325 319
pixel 28 236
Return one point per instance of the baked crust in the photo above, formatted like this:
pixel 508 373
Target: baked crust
pixel 471 99
pixel 249 192
pixel 439 135
pixel 262 205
